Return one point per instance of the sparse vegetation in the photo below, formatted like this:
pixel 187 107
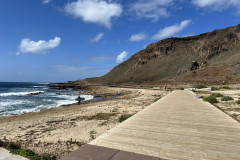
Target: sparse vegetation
pixel 123 117
pixel 99 116
pixel 15 148
pixel 225 87
pixel 104 123
pixel 226 98
pixel 156 99
pixel 55 121
pixel 218 88
pixel 211 99
pixel 238 101
pixel 13 145
pixel 27 153
pixel 78 143
pixel 217 95
pixel 104 116
pixel 92 132
pixel 214 88
pixel 199 86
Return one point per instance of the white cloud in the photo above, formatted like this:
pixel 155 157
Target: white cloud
pixel 39 47
pixel 171 30
pixel 97 37
pixel 121 57
pixel 217 5
pixel 46 1
pixel 94 11
pixel 151 9
pixel 138 37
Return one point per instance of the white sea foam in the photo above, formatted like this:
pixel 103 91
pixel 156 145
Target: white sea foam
pixel 19 93
pixel 43 83
pixel 48 100
pixel 38 86
pixel 64 102
pixel 68 100
pixel 72 98
pixel 13 102
pixel 20 111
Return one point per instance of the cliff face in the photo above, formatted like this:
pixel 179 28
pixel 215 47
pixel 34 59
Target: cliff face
pixel 216 53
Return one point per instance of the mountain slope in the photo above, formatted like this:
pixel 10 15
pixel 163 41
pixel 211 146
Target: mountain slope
pixel 216 55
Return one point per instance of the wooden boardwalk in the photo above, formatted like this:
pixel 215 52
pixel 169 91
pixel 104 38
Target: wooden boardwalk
pixel 177 127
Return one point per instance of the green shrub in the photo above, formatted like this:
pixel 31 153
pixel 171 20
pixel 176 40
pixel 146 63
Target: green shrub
pixel 13 145
pixel 92 132
pixel 226 98
pixel 210 99
pixel 217 95
pixel 15 148
pixel 156 99
pixel 27 153
pixel 199 86
pixel 238 101
pixel 225 87
pixel 123 117
pixel 214 88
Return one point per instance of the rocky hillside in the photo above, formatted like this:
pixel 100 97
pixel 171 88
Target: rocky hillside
pixel 209 57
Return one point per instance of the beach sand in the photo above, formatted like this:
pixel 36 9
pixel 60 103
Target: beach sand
pixel 61 130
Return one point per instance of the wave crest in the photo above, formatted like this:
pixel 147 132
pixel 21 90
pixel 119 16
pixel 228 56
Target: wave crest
pixel 19 93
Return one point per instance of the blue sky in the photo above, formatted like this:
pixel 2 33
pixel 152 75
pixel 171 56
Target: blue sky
pixel 61 40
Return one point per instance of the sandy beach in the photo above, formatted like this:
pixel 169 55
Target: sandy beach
pixel 61 130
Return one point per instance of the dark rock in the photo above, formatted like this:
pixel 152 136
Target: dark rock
pixel 194 66
pixel 35 94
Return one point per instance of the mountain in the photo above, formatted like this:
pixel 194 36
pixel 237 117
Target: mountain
pixel 210 57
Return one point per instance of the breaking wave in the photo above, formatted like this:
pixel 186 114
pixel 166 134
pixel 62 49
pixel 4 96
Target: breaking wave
pixel 19 93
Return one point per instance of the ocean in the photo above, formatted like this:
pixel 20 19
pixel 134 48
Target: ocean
pixel 22 97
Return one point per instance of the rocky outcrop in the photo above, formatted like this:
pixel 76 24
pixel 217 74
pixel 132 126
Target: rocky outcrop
pixel 35 93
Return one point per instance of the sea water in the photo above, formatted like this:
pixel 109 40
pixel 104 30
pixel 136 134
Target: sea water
pixel 18 97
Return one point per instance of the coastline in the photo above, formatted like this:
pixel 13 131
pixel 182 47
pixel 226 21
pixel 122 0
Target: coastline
pixel 57 131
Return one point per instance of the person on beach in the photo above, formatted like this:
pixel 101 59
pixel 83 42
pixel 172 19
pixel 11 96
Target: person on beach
pixel 79 100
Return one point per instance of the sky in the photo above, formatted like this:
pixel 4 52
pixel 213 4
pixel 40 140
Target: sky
pixel 66 40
